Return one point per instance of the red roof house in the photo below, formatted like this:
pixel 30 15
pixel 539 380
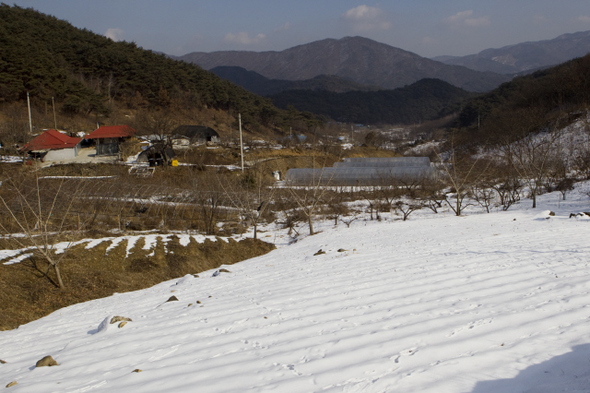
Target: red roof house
pixel 108 138
pixel 112 132
pixel 53 145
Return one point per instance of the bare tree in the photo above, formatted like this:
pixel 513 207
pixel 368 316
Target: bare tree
pixel 460 171
pixel 373 198
pixel 405 209
pixel 530 157
pixel 251 194
pixel 338 207
pixel 483 194
pixel 309 198
pixel 388 191
pixel 158 124
pixel 41 213
pixel 431 194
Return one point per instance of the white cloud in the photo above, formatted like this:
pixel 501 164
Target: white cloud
pixel 477 22
pixel 284 27
pixel 115 34
pixel 365 18
pixel 244 38
pixel 584 18
pixel 465 18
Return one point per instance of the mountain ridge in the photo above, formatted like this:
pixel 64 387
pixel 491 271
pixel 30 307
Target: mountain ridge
pixel 358 59
pixel 525 56
pixel 259 84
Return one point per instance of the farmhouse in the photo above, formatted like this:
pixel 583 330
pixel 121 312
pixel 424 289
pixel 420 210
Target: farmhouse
pixel 108 138
pixel 53 145
pixel 191 134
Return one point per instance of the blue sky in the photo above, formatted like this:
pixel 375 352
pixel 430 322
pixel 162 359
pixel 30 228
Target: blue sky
pixel 426 27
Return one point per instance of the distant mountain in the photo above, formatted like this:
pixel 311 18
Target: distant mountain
pixel 526 56
pixel 427 99
pixel 258 84
pixel 357 59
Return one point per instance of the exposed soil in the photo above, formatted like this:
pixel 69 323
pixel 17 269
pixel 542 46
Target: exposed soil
pixel 27 294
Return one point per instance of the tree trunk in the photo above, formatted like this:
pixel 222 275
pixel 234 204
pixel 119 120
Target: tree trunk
pixel 58 274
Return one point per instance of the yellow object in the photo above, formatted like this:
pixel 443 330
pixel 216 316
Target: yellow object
pixel 174 162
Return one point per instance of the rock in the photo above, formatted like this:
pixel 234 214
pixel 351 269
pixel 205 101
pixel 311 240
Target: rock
pixel 342 250
pixel 320 252
pixel 122 324
pixel 11 384
pixel 215 273
pixel 172 299
pixel 137 370
pixel 198 302
pixel 118 318
pixel 544 215
pixel 2 361
pixel 190 304
pixel 224 271
pixel 46 361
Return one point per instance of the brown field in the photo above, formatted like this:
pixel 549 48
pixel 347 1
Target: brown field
pixel 27 293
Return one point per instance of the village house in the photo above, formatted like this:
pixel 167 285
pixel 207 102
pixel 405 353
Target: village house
pixel 186 135
pixel 53 145
pixel 108 138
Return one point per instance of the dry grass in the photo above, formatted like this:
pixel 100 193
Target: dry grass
pixel 27 294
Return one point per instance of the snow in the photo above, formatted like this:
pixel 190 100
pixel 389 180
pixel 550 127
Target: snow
pixel 483 303
pixel 150 242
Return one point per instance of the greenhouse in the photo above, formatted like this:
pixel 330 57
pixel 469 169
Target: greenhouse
pixel 364 172
pixel 362 162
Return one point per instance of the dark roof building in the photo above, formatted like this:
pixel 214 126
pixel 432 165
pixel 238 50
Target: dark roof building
pixel 197 134
pixel 157 155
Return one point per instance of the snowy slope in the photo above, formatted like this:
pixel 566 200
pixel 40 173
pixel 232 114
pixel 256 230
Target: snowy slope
pixel 484 303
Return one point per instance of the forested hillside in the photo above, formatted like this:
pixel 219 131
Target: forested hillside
pixel 532 101
pixel 427 99
pixel 258 84
pixel 89 74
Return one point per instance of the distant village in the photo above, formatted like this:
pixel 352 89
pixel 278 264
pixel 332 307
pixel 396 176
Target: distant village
pixel 104 144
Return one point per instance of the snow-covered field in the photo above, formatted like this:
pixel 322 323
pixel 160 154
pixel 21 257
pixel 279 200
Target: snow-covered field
pixel 483 303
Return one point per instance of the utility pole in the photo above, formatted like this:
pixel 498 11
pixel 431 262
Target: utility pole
pixel 30 120
pixel 241 140
pixel 54 118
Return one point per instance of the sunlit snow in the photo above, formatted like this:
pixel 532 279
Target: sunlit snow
pixel 483 303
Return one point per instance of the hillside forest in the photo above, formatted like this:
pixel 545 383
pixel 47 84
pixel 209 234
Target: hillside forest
pixel 91 79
